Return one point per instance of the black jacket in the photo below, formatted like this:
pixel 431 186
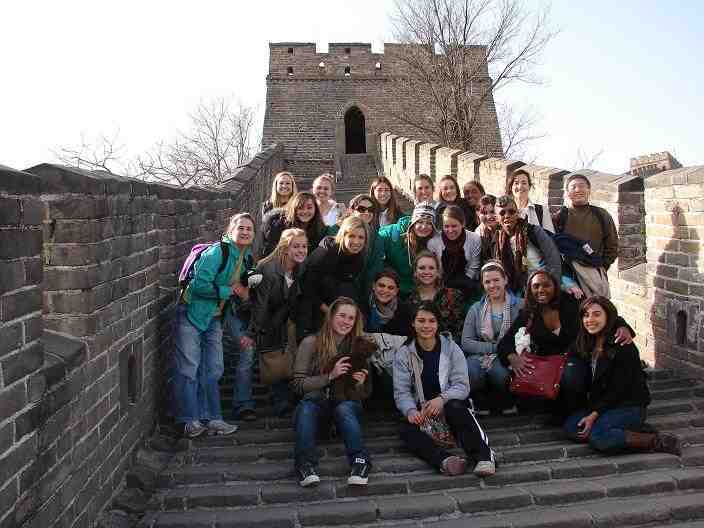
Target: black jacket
pixel 329 274
pixel 273 224
pixel 618 380
pixel 273 303
pixel 543 341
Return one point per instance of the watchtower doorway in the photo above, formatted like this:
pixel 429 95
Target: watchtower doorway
pixel 355 133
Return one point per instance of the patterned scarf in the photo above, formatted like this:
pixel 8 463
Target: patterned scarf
pixel 454 261
pixel 380 315
pixel 487 329
pixel 512 252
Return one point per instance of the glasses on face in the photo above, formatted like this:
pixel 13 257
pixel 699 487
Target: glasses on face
pixel 382 190
pixel 507 212
pixel 365 209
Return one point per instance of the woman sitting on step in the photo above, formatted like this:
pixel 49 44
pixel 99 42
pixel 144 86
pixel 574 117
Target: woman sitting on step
pixel 618 390
pixel 302 212
pixel 431 389
pixel 314 376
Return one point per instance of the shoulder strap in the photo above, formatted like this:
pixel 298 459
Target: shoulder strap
pixel 599 213
pixel 539 212
pixel 225 249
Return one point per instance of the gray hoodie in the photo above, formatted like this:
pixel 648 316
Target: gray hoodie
pixel 454 381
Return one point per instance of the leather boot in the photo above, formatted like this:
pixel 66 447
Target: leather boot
pixel 656 442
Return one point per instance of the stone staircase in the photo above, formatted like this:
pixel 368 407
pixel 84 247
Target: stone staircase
pixel 247 480
pixel 356 173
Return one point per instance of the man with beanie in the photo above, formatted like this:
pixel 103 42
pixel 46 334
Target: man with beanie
pixel 587 237
pixel 405 239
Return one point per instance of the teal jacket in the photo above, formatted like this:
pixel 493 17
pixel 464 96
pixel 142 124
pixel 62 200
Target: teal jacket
pixel 208 287
pixel 396 252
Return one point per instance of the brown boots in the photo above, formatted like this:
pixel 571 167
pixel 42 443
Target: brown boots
pixel 658 442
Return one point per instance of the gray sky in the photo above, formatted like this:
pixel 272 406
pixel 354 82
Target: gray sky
pixel 623 77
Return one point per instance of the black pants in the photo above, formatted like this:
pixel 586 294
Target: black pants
pixel 466 429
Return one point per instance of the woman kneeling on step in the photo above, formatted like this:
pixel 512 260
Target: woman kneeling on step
pixel 331 389
pixel 431 387
pixel 618 391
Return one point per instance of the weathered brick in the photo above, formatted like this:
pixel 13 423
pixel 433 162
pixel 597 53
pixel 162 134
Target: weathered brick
pixel 12 400
pixel 22 363
pixel 11 276
pixel 356 512
pixel 18 243
pixel 10 338
pixel 491 499
pixel 409 507
pixel 21 303
pixel 565 492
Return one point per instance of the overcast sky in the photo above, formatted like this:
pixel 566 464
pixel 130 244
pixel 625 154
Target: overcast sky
pixel 623 77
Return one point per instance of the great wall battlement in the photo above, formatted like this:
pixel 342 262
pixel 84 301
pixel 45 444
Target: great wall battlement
pixel 658 279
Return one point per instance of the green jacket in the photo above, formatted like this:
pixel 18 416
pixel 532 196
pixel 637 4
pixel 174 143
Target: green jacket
pixel 208 287
pixel 396 252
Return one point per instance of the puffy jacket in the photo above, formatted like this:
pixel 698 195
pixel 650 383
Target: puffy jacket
pixel 208 288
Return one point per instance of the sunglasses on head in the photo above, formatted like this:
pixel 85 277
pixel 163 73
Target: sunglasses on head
pixel 507 212
pixel 363 209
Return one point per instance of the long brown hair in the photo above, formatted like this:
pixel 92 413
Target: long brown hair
pixel 458 192
pixel 393 211
pixel 585 343
pixel 325 344
pixel 314 228
pixel 276 199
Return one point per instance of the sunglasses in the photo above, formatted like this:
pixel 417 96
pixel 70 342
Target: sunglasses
pixel 507 212
pixel 362 209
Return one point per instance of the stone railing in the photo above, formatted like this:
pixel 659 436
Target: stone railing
pixel 88 279
pixel 647 268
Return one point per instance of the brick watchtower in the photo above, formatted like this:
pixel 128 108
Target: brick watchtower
pixel 323 107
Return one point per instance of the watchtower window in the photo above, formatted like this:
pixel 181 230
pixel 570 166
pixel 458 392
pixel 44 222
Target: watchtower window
pixel 355 133
pixel 681 328
pixel 348 51
pixel 290 50
pixel 348 71
pixel 289 70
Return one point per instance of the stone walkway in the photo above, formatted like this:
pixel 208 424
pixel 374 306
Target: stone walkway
pixel 247 480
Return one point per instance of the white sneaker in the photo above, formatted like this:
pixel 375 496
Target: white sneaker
pixel 220 428
pixel 485 468
pixel 193 429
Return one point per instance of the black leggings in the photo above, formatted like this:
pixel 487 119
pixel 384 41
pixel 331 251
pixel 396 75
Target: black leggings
pixel 465 428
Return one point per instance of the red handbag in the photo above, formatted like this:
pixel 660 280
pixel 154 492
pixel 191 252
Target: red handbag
pixel 544 380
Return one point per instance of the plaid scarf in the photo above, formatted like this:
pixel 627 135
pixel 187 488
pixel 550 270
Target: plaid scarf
pixel 487 329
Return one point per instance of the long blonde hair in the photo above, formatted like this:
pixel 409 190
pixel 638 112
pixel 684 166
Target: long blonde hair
pixel 349 224
pixel 325 344
pixel 281 249
pixel 276 199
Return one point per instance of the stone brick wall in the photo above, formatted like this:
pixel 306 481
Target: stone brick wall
pixel 305 107
pixel 88 280
pixel 657 281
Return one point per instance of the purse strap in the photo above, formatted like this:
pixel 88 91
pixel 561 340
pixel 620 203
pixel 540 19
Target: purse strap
pixel 416 376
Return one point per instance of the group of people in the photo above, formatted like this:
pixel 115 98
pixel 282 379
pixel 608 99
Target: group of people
pixel 446 296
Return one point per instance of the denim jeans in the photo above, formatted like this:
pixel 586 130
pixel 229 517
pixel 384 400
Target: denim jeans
pixel 242 390
pixel 608 432
pixel 196 369
pixel 494 380
pixel 311 414
pixel 280 396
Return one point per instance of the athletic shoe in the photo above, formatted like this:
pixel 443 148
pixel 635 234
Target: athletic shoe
pixel 453 465
pixel 220 428
pixel 485 468
pixel 307 476
pixel 193 429
pixel 510 411
pixel 359 476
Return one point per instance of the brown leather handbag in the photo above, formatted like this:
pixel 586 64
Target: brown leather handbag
pixel 544 380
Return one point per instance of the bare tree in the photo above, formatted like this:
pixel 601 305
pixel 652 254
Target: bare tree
pixel 518 131
pixel 102 152
pixel 461 52
pixel 586 160
pixel 218 140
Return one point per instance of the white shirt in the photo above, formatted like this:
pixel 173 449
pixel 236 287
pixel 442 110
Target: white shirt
pixel 529 213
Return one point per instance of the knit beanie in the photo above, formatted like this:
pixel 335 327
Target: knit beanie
pixel 423 210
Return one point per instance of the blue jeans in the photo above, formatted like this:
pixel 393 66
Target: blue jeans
pixel 196 369
pixel 310 414
pixel 495 379
pixel 608 432
pixel 242 391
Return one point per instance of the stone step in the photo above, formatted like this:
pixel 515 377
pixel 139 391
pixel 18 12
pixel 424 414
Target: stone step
pixel 277 463
pixel 673 495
